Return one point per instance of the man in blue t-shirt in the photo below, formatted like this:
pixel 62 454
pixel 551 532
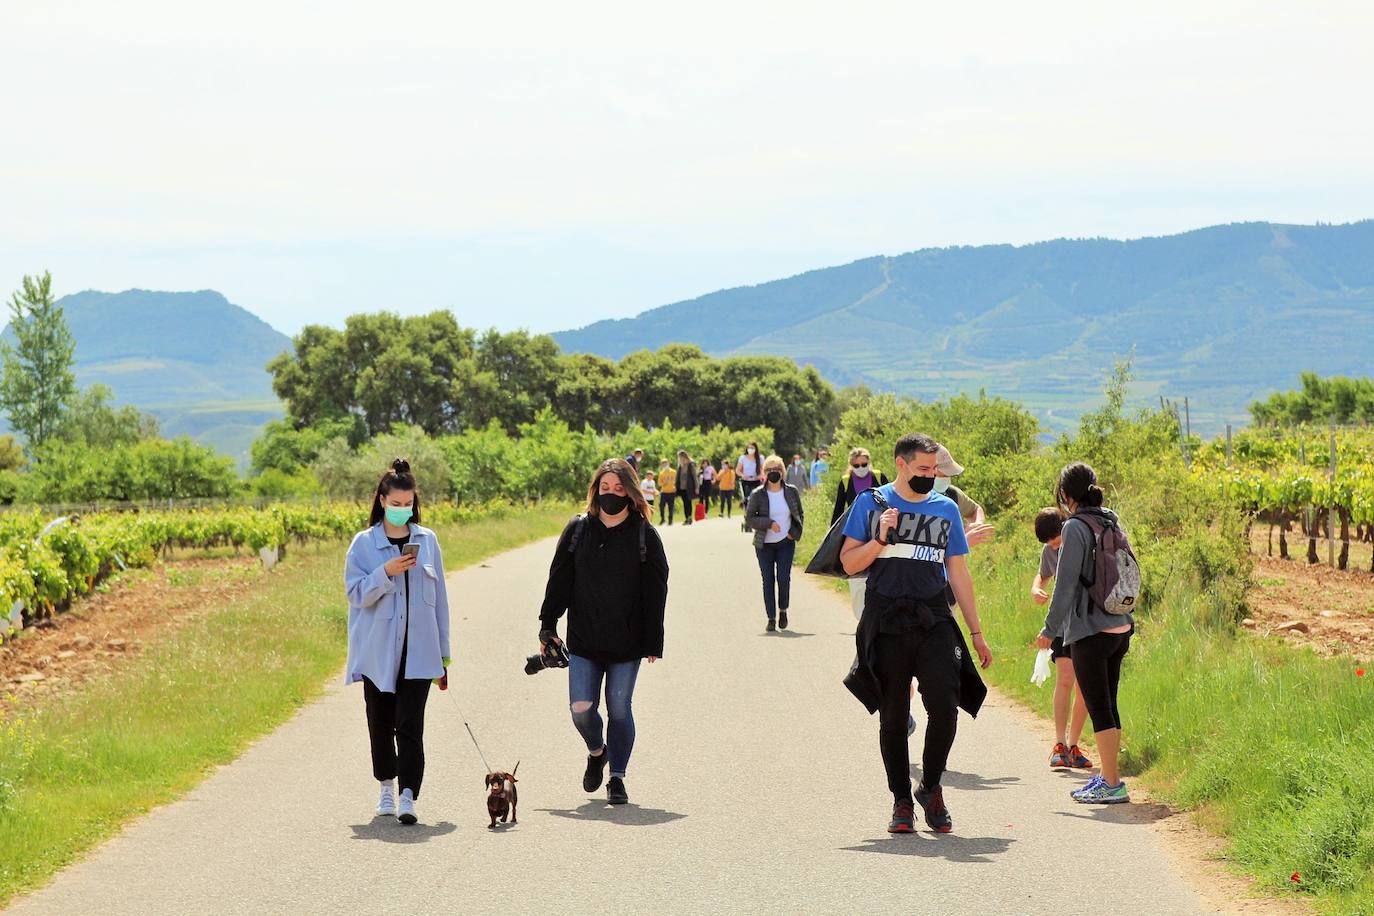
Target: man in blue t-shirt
pixel 913 550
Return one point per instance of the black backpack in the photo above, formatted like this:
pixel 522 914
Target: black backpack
pixel 826 562
pixel 580 522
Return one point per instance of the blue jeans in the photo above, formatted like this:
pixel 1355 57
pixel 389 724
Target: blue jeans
pixel 775 562
pixel 584 696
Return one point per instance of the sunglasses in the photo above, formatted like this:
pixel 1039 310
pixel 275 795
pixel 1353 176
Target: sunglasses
pixel 860 467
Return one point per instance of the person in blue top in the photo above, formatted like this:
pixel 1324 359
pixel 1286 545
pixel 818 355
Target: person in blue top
pixel 912 549
pixel 398 634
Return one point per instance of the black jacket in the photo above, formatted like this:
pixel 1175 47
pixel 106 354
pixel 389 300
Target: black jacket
pixel 845 495
pixel 614 602
pixel 864 683
pixel 687 481
pixel 756 513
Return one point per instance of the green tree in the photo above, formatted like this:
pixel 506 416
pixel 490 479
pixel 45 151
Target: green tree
pixel 11 453
pixel 36 381
pixel 93 420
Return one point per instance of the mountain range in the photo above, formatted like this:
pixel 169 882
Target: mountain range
pixel 1221 315
pixel 194 360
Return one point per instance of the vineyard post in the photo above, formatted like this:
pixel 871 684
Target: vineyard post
pixel 1228 445
pixel 1331 510
pixel 1307 520
pixel 1187 416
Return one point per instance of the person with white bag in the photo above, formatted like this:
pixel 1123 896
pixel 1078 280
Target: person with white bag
pixel 1066 754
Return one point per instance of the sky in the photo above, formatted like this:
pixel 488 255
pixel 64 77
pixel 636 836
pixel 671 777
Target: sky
pixel 544 165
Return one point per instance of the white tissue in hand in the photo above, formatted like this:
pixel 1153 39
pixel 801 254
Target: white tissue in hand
pixel 1041 673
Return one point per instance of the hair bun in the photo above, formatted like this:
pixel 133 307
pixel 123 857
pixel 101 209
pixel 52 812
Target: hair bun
pixel 401 466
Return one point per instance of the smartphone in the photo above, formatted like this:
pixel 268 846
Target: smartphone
pixel 409 550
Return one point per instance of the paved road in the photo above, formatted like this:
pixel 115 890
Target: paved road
pixel 756 788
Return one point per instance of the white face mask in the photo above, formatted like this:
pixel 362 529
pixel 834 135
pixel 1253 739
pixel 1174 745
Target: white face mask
pixel 863 471
pixel 749 451
pixel 941 484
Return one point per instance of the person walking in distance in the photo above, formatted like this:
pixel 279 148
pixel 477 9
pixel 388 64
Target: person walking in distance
pixel 725 488
pixel 911 541
pixel 650 490
pixel 687 484
pixel 610 574
pixel 819 467
pixel 798 475
pixel 1049 526
pixel 708 484
pixel 398 634
pixel 749 470
pixel 1097 640
pixel 774 511
pixel 667 490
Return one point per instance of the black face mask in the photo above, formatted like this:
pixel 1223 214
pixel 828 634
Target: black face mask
pixel 774 477
pixel 921 484
pixel 612 503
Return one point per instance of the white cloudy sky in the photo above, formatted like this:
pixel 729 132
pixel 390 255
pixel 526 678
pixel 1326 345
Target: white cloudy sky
pixel 546 164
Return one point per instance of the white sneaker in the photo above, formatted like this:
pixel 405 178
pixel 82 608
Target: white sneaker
pixel 406 814
pixel 386 806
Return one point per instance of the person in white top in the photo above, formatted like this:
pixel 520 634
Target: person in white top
pixel 774 512
pixel 749 469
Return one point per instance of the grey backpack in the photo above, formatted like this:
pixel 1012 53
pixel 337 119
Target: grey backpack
pixel 1115 583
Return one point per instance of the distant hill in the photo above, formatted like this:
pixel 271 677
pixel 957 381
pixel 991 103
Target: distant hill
pixel 194 360
pixel 1223 315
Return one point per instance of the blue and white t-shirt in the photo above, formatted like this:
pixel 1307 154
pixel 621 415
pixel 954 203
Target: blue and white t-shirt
pixel 927 533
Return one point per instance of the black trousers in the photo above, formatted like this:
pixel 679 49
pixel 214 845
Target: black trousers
pixel 1097 668
pixel 666 502
pixel 727 502
pixel 396 729
pixel 686 508
pixel 932 657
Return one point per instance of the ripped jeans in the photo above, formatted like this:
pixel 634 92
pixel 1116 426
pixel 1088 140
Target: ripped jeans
pixel 584 696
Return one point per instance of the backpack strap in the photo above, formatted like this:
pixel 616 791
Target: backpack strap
pixel 579 522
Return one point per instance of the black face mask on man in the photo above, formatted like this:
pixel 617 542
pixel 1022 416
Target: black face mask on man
pixel 921 484
pixel 612 503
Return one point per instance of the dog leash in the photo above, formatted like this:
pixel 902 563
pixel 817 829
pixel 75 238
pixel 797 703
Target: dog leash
pixel 469 728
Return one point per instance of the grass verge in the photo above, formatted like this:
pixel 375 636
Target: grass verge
pixel 1271 744
pixel 72 774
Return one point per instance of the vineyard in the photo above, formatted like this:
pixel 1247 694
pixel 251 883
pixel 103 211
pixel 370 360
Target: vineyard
pixel 45 563
pixel 1293 481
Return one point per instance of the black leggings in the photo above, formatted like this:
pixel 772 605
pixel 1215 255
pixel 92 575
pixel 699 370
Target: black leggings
pixel 932 657
pixel 727 502
pixel 1097 668
pixel 686 508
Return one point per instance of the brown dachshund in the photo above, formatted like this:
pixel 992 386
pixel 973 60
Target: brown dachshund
pixel 501 797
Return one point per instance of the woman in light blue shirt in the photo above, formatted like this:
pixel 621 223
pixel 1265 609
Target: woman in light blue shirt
pixel 398 634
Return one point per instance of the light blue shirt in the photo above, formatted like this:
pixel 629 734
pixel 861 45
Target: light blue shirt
pixel 818 469
pixel 377 609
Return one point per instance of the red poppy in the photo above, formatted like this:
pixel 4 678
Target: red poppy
pixel 1296 877
pixel 1359 672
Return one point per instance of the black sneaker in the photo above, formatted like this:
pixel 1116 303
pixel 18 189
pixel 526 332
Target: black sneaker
pixel 615 791
pixel 903 818
pixel 596 771
pixel 782 620
pixel 933 802
pixel 772 625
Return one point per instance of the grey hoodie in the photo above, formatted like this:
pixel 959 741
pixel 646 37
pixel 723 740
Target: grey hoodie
pixel 1069 615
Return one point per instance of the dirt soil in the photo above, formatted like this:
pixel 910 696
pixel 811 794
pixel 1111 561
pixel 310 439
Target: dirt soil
pixel 1335 607
pixel 112 625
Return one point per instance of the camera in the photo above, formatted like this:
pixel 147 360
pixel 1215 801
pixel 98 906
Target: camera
pixel 553 656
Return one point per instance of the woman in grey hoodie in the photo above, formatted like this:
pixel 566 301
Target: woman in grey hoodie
pixel 1099 640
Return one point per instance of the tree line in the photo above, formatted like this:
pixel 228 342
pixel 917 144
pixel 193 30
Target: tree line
pixel 382 369
pixel 1338 399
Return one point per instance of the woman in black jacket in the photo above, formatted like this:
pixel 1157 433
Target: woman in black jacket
pixel 687 483
pixel 774 511
pixel 861 476
pixel 610 574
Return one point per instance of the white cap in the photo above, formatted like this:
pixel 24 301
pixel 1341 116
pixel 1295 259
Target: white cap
pixel 946 465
